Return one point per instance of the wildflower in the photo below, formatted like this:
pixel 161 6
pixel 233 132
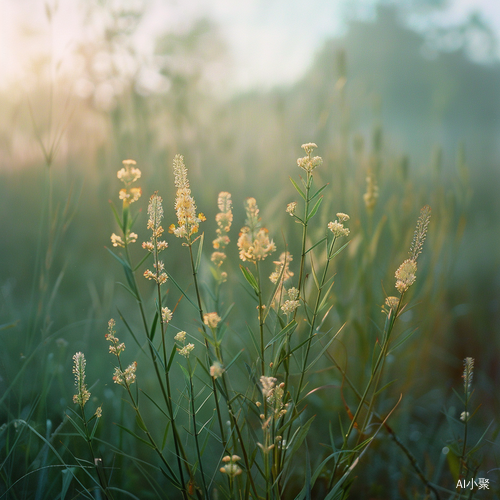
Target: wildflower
pixel 292 303
pixel 392 302
pixel 166 314
pixel 159 276
pixel 130 195
pixel 254 249
pixel 211 319
pixel 405 275
pixel 180 336
pixel 464 416
pixel 218 258
pixel 185 206
pixel 127 376
pixel 291 207
pixel 338 229
pixel 268 384
pixel 309 147
pixel 216 370
pixel 309 163
pixel 128 174
pixel 282 268
pixel 468 373
pixel 224 220
pixel 342 217
pixel 83 395
pixel 117 348
pixel 98 412
pixel 254 243
pixel 186 350
pixel 231 468
pixel 117 241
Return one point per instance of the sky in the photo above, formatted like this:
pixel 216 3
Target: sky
pixel 271 42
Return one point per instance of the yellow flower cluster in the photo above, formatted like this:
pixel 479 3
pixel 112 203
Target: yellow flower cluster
pixel 128 175
pixel 253 242
pixel 187 220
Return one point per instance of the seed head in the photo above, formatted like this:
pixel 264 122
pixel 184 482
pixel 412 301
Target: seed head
pixel 405 275
pixel 82 395
pixel 468 373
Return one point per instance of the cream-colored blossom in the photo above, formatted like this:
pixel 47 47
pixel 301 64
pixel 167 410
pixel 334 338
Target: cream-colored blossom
pixel 218 258
pixel 127 376
pixel 117 241
pixel 211 319
pixel 338 229
pixel 292 303
pixel 187 220
pixel 186 350
pixel 255 248
pixel 130 195
pixel 289 306
pixel 268 384
pixel 116 346
pixel 291 207
pixel 282 268
pixel 231 468
pixel 98 412
pixel 180 336
pixel 129 173
pixel 159 275
pixel 392 302
pixel 309 147
pixel 405 275
pixel 309 163
pixel 166 314
pixel 216 370
pixel 342 217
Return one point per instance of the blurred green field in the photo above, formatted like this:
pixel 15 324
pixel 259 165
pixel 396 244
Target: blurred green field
pixel 424 129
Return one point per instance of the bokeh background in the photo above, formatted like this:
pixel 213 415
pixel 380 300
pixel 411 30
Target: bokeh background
pixel 408 92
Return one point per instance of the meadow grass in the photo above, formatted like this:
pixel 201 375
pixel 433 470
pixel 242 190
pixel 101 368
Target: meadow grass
pixel 280 360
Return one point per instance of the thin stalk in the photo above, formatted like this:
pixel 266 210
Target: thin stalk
pixel 200 309
pixel 198 453
pixel 373 376
pixel 261 325
pixel 102 480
